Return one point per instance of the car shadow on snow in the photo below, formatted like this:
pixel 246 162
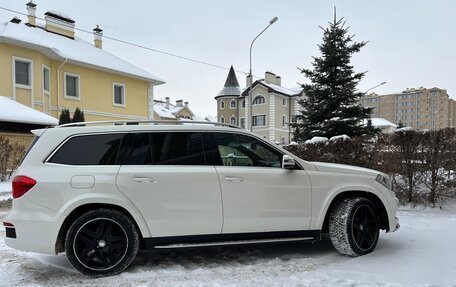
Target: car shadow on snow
pixel 223 256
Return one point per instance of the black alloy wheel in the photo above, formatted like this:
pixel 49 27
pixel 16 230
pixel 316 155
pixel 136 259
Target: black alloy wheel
pixel 364 227
pixel 354 226
pixel 102 242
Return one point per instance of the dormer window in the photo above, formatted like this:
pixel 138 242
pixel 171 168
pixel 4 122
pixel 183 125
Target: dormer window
pixel 259 100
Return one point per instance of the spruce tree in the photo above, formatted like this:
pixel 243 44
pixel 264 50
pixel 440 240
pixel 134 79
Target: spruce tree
pixel 64 117
pixel 78 116
pixel 331 104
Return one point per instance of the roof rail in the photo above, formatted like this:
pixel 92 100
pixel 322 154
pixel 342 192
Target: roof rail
pixel 155 122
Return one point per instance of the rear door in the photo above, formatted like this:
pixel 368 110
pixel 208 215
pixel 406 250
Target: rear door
pixel 166 176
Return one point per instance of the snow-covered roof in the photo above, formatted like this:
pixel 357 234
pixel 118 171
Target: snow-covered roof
pixel 275 88
pixel 77 51
pixel 170 111
pixel 381 122
pixel 283 90
pixel 12 111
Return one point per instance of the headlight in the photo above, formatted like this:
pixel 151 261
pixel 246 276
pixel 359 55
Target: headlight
pixel 383 180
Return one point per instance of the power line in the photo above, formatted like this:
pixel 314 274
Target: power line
pixel 138 45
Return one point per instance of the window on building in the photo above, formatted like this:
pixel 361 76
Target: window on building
pixel 283 140
pixel 259 100
pixel 222 119
pixel 243 103
pixel 284 121
pixel 243 123
pixel 222 104
pixel 233 104
pixel 284 102
pixel 23 72
pixel 233 121
pixel 46 79
pixel 259 120
pixel 72 86
pixel 118 94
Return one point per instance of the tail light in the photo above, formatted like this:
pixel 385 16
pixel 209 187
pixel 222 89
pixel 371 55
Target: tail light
pixel 21 185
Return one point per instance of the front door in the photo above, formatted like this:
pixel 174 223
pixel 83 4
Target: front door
pixel 258 194
pixel 165 175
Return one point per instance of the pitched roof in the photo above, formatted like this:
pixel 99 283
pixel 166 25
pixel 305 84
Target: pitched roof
pixel 12 111
pixel 168 112
pixel 77 51
pixel 381 123
pixel 274 89
pixel 231 87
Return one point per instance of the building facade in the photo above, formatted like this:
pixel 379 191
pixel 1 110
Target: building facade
pixel 273 106
pixel 46 67
pixel 417 108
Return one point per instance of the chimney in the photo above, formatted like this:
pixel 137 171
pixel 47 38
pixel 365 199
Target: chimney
pixel 31 10
pixel 98 37
pixel 270 78
pixel 186 104
pixel 59 23
pixel 179 103
pixel 167 102
pixel 278 81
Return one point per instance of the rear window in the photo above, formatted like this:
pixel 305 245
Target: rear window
pixel 100 149
pixel 167 148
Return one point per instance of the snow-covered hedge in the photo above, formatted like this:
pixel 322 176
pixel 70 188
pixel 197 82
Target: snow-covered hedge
pixel 421 164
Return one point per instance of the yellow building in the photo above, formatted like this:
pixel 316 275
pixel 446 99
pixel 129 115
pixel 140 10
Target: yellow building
pixel 44 65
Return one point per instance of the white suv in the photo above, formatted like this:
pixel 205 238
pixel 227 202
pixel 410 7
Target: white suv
pixel 99 193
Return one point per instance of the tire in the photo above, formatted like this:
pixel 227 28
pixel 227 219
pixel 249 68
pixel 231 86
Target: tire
pixel 102 242
pixel 353 227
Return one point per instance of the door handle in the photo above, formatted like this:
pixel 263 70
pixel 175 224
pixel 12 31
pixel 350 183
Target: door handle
pixel 234 178
pixel 141 179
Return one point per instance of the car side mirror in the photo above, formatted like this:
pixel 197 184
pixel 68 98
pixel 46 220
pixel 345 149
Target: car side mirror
pixel 288 162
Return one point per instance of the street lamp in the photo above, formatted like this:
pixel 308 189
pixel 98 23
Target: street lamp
pixel 381 84
pixel 272 21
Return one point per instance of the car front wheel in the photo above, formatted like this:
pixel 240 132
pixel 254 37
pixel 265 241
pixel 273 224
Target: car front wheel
pixel 353 227
pixel 102 242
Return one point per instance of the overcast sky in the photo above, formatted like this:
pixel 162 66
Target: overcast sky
pixel 412 43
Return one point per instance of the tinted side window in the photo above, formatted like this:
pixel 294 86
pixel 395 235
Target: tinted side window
pixel 89 150
pixel 177 148
pixel 137 150
pixel 242 150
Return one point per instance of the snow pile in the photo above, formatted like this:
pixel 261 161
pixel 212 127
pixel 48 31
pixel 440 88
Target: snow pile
pixel 404 129
pixel 293 143
pixel 341 137
pixel 12 111
pixel 315 140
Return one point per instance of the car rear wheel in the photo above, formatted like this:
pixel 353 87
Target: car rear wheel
pixel 354 227
pixel 102 242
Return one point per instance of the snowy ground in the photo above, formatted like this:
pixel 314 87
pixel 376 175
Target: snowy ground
pixel 421 253
pixel 5 190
